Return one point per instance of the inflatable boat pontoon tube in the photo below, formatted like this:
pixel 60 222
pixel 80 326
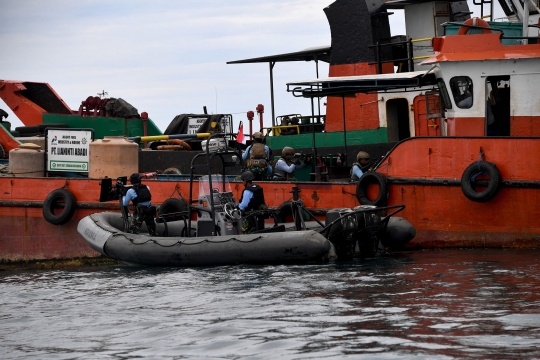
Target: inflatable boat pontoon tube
pixel 265 248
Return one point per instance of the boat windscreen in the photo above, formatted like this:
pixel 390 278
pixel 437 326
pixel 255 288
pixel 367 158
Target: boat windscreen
pixel 219 184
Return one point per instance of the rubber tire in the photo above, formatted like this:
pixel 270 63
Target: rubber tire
pixel 51 202
pixel 173 205
pixel 23 130
pixel 369 178
pixel 27 135
pixel 494 185
pixel 42 127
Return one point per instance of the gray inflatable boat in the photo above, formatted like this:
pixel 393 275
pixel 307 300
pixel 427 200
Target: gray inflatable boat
pixel 103 234
pixel 207 230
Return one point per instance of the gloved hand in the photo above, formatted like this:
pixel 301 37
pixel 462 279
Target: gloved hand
pixel 237 213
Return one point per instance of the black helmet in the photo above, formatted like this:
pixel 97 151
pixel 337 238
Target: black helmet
pixel 135 179
pixel 247 175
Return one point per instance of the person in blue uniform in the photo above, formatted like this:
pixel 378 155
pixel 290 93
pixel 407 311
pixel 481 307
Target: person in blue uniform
pixel 287 164
pixel 143 210
pixel 252 200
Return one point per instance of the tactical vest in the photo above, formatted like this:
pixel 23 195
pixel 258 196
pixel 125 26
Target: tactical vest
pixel 258 197
pixel 257 156
pixel 282 175
pixel 257 151
pixel 143 194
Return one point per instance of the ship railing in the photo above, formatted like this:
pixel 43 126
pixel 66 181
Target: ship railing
pixel 276 130
pixel 408 60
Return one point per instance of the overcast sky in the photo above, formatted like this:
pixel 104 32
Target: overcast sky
pixel 165 57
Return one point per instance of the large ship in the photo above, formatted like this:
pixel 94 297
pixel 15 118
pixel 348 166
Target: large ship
pixel 451 124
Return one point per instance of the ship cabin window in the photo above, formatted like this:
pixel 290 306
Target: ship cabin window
pixel 444 94
pixel 462 90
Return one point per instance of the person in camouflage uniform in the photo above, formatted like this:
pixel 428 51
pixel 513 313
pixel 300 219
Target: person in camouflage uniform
pixel 251 202
pixel 257 158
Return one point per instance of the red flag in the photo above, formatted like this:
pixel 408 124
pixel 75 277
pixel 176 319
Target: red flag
pixel 240 138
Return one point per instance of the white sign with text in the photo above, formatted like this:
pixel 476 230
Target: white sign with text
pixel 68 150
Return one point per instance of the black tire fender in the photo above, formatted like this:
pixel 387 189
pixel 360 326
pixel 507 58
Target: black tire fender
pixel 469 177
pixel 172 205
pixel 53 200
pixel 367 179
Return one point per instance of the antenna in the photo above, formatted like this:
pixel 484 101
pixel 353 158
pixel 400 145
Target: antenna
pixel 101 95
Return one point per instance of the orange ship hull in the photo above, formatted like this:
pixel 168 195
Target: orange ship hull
pixel 27 235
pixel 423 173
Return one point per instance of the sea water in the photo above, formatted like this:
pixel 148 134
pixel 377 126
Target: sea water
pixel 447 304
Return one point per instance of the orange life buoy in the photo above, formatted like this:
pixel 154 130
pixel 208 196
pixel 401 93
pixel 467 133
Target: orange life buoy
pixel 184 144
pixel 463 30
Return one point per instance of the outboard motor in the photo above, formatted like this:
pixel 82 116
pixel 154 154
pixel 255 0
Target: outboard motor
pixel 370 225
pixel 343 233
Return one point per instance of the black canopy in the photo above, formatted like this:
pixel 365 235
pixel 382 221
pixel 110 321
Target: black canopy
pixel 321 53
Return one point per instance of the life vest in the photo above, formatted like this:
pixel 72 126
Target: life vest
pixel 143 194
pixel 258 197
pixel 257 151
pixel 282 175
pixel 257 156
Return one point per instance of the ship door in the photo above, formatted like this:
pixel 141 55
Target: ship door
pixel 397 119
pixel 498 106
pixel 427 114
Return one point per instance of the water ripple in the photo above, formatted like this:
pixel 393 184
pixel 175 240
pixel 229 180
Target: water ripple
pixel 423 305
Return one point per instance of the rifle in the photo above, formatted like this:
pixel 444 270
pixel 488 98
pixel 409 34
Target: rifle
pixel 116 192
pixel 302 158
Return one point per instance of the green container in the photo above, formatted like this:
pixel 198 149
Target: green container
pixel 508 28
pixel 104 126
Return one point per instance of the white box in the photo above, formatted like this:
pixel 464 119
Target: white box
pixel 219 144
